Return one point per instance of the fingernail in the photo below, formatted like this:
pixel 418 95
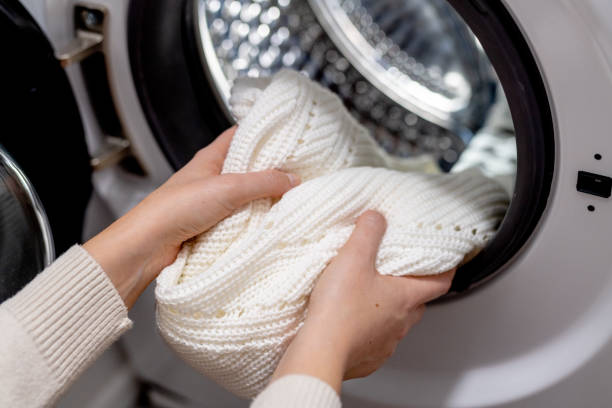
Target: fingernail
pixel 294 179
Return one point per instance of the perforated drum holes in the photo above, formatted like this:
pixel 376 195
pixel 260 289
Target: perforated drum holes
pixel 440 60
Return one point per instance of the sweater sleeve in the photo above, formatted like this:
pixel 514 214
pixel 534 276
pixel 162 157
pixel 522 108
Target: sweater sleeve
pixel 297 391
pixel 55 327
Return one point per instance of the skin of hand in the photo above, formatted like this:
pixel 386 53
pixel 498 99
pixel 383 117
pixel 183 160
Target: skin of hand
pixel 356 317
pixel 134 249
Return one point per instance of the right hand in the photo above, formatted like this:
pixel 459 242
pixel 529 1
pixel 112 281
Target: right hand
pixel 356 317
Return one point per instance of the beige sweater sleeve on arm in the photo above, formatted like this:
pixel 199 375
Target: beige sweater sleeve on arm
pixel 55 327
pixel 297 391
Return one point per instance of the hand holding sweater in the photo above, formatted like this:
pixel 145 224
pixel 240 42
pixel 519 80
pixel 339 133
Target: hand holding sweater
pixel 134 249
pixel 371 312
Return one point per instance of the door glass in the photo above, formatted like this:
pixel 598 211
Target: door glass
pixel 26 244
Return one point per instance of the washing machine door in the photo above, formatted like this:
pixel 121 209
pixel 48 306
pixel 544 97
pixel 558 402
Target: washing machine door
pixel 44 164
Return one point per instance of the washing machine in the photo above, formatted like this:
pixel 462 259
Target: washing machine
pixel 112 96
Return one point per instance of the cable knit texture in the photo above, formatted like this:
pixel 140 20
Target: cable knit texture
pixel 237 294
pixel 62 321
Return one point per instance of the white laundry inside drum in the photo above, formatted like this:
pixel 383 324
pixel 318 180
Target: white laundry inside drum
pixel 238 293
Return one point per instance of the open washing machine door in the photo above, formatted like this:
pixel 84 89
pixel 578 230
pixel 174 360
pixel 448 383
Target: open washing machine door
pixel 540 331
pixel 44 165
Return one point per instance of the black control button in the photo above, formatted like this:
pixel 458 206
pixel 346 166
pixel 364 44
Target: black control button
pixel 594 184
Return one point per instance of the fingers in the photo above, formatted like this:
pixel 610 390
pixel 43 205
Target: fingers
pixel 239 189
pixel 221 144
pixel 366 237
pixel 212 156
pixel 423 289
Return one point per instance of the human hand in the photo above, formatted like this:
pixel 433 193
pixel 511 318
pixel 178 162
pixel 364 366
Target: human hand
pixel 356 317
pixel 134 249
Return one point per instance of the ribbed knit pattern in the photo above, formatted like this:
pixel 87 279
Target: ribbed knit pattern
pixel 296 391
pixel 237 294
pixel 72 312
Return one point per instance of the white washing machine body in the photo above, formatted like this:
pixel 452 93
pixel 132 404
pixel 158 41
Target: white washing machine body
pixel 540 333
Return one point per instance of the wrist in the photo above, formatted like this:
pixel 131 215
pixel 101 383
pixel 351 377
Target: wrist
pixel 315 353
pixel 327 329
pixel 125 256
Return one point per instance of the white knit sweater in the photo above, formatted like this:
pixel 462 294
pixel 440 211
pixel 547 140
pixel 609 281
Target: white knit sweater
pixel 66 317
pixel 237 294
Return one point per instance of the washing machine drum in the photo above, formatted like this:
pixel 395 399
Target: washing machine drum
pixel 413 71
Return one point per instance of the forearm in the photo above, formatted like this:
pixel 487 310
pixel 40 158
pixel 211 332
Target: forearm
pixel 55 327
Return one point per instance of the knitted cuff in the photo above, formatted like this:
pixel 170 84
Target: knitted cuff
pixel 72 312
pixel 297 391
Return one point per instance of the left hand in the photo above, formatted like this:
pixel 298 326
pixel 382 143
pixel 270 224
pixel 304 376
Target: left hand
pixel 134 249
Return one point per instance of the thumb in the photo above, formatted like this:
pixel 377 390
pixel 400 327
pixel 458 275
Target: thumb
pixel 366 237
pixel 243 188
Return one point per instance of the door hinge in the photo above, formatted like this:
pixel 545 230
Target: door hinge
pixel 89 23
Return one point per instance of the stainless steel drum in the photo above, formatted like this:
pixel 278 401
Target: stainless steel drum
pixel 410 70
